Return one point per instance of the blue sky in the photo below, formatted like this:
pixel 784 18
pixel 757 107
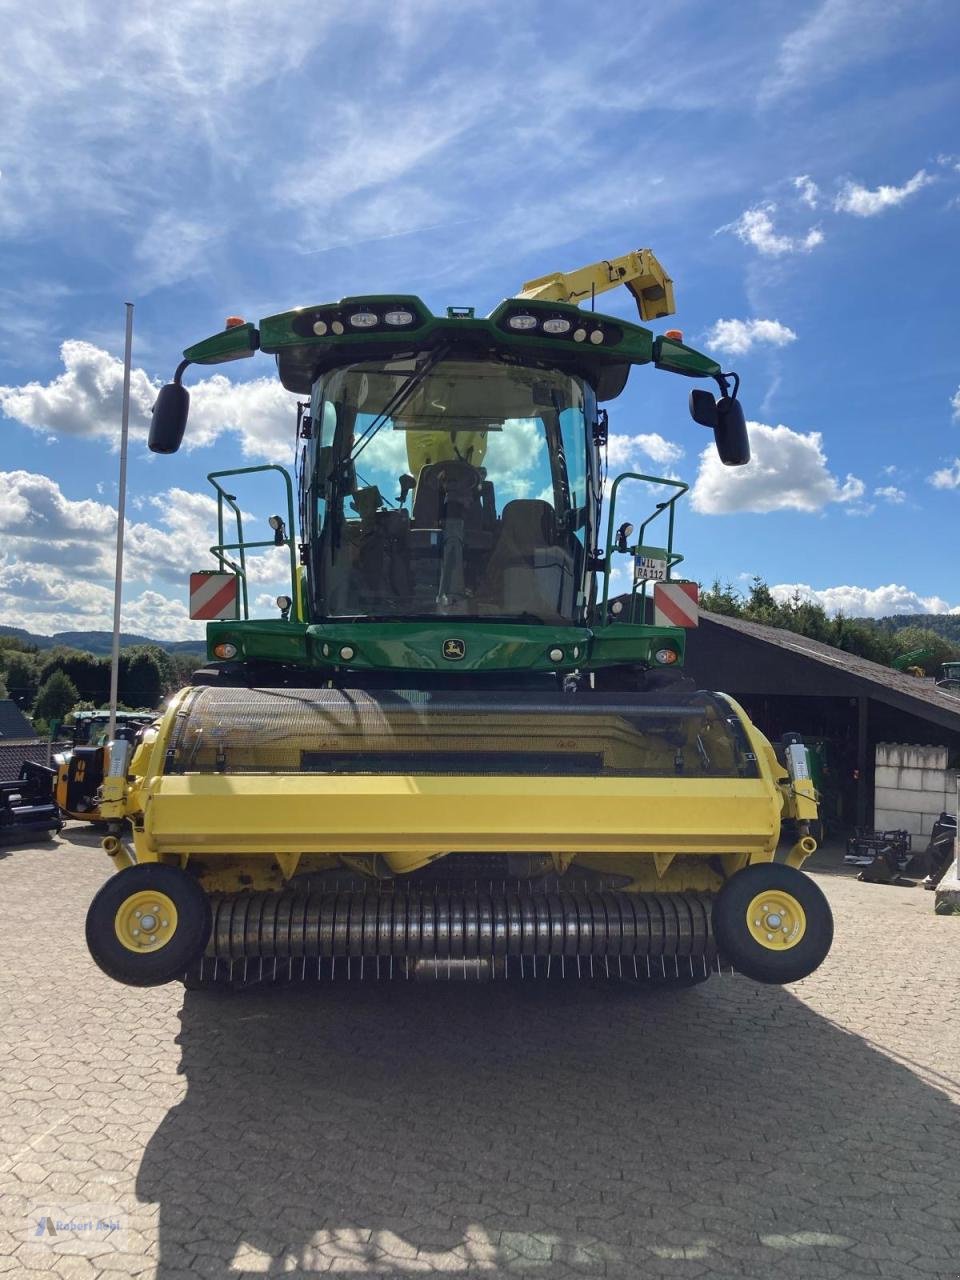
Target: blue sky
pixel 795 167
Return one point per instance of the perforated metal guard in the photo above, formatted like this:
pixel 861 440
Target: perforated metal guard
pixel 337 731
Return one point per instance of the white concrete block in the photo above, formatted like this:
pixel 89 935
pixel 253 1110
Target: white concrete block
pixel 906 801
pixel 933 780
pixel 912 779
pixel 897 819
pixel 886 775
pixel 909 756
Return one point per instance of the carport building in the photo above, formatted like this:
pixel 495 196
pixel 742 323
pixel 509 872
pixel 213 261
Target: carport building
pixel 886 743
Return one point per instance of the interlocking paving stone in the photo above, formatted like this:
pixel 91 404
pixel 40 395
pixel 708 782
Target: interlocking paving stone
pixel 732 1131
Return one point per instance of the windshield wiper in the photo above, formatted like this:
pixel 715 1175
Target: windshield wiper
pixel 398 400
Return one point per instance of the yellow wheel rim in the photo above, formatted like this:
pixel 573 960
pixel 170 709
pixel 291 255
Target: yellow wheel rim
pixel 776 920
pixel 146 921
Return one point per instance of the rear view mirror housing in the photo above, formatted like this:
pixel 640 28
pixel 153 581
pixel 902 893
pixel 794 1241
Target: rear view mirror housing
pixel 169 419
pixel 703 408
pixel 725 418
pixel 730 433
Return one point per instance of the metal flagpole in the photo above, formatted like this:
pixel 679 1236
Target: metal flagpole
pixel 121 505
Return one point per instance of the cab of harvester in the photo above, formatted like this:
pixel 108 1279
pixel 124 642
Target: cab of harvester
pixel 464 745
pixel 451 487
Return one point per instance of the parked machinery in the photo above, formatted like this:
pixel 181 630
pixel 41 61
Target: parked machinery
pixel 449 755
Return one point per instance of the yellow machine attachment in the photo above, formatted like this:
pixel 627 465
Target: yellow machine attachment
pixel 313 826
pixel 639 271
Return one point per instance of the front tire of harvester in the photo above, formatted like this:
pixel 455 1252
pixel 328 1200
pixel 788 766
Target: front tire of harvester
pixel 148 925
pixel 772 923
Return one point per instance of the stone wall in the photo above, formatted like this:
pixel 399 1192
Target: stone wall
pixel 912 787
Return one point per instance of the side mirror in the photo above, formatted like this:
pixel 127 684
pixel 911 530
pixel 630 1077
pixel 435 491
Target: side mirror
pixel 169 418
pixel 730 433
pixel 703 408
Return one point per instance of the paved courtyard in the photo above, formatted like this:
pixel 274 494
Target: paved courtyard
pixel 728 1131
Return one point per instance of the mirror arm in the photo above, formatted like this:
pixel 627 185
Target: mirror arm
pixel 721 380
pixel 182 367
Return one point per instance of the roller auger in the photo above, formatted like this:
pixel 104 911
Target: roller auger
pixel 454 753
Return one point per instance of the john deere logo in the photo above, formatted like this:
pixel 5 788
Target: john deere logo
pixel 454 650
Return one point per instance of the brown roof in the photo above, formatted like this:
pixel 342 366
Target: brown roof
pixel 13 754
pixel 921 697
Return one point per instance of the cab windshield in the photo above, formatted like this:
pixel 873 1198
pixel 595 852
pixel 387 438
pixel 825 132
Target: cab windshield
pixel 450 487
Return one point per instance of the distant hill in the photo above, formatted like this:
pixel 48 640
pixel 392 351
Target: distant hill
pixel 944 624
pixel 99 642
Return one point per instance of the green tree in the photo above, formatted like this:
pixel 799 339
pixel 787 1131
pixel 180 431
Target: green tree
pixel 58 695
pixel 90 674
pixel 141 680
pixel 722 599
pixel 22 677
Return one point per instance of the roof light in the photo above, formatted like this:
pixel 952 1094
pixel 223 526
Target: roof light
pixel 337 327
pixel 557 325
pixel 319 327
pixel 364 319
pixel 579 335
pixel 596 337
pixel 522 322
pixel 234 322
pixel 555 655
pixel 347 651
pixel 399 316
pixel 675 335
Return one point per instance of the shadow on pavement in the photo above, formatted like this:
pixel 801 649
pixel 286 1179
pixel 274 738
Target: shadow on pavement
pixel 546 1131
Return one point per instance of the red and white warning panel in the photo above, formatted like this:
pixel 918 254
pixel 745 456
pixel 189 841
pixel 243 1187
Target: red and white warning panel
pixel 213 595
pixel 676 604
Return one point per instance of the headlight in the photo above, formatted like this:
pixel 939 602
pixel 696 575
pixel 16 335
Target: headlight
pixel 225 650
pixel 364 319
pixel 522 322
pixel 555 655
pixel 665 656
pixel 399 317
pixel 557 325
pixel 347 652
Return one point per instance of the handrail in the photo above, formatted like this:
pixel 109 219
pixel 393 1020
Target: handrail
pixel 673 558
pixel 241 545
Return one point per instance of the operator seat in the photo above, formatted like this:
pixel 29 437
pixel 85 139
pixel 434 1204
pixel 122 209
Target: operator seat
pixel 528 570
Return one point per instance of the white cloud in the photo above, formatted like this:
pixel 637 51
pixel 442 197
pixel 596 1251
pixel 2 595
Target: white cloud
pixel 628 451
pixel 955 405
pixel 865 602
pixel 835 35
pixel 807 190
pixel 45 599
pixel 890 493
pixel 947 477
pixel 737 337
pixel 76 593
pixel 787 472
pixel 864 203
pixel 755 227
pixel 172 248
pixel 85 400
